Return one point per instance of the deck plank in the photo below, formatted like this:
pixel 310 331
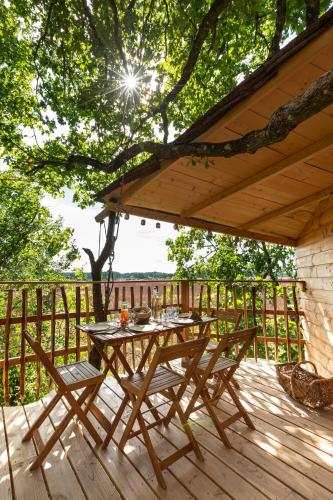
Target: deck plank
pixel 57 464
pixel 289 466
pixel 314 447
pixel 288 456
pixel 96 483
pixel 232 483
pixel 27 485
pixel 269 385
pixel 306 431
pixel 108 402
pixel 5 482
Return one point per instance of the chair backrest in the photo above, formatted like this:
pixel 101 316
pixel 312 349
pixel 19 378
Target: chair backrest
pixel 229 317
pixel 192 349
pixel 243 337
pixel 43 357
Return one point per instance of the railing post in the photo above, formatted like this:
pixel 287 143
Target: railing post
pixel 185 295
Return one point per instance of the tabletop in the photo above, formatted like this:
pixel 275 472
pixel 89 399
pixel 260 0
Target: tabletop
pixel 114 334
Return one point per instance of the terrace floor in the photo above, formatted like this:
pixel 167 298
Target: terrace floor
pixel 289 455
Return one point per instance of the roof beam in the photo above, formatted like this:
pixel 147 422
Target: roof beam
pixel 325 193
pixel 270 171
pixel 199 223
pixel 103 214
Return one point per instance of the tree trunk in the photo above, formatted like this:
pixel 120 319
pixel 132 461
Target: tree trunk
pixel 100 310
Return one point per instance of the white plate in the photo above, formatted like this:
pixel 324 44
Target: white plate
pixel 99 327
pixel 142 328
pixel 182 321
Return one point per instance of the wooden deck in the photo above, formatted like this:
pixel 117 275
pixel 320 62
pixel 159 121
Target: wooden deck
pixel 290 455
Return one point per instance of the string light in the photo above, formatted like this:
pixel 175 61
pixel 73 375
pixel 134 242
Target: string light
pixel 175 226
pixel 126 216
pixel 143 222
pixel 158 225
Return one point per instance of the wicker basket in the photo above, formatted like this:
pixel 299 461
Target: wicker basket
pixel 306 387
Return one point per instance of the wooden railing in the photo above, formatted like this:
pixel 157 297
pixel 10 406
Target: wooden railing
pixel 53 309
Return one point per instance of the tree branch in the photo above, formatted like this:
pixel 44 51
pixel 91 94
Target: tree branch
pixel 90 255
pixel 312 11
pixel 109 241
pixel 46 30
pixel 281 10
pixel 207 24
pixel 286 118
pixel 117 34
pixel 92 25
pixel 69 163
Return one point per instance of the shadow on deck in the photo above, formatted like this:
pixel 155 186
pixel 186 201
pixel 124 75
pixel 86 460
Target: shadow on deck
pixel 289 455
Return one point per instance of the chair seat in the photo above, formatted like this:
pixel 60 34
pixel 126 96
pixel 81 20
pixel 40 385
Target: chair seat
pixel 221 364
pixel 211 346
pixel 80 374
pixel 163 379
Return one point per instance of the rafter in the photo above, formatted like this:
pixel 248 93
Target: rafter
pixel 103 214
pixel 199 223
pixel 319 195
pixel 270 171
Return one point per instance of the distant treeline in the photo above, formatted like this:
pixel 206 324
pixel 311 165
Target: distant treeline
pixel 151 275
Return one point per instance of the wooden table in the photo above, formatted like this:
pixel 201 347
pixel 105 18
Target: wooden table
pixel 116 337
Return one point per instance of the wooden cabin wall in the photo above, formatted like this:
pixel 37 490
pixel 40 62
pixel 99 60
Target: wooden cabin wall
pixel 315 265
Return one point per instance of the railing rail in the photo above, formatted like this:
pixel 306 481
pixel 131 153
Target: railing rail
pixel 53 308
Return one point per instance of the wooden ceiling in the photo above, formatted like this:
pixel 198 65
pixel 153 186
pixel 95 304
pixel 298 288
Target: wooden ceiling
pixel 270 195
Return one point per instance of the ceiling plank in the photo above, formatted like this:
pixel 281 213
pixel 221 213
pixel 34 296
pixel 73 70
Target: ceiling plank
pixel 319 195
pixel 199 223
pixel 270 171
pixel 136 186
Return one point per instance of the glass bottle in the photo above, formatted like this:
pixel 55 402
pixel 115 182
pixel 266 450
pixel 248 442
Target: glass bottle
pixel 124 314
pixel 156 308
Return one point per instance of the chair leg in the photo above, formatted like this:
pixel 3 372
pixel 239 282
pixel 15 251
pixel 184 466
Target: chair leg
pixel 136 408
pixel 76 406
pixel 51 442
pixel 92 397
pixel 115 421
pixel 186 426
pixel 42 417
pixel 153 410
pixel 239 405
pixel 235 383
pixel 216 421
pixel 195 396
pixel 151 452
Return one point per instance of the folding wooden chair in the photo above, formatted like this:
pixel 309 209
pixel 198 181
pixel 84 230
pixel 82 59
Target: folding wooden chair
pixel 228 318
pixel 163 380
pixel 222 369
pixel 68 378
pixel 231 320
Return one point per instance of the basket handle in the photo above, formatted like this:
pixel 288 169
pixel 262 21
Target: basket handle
pixel 293 373
pixel 304 362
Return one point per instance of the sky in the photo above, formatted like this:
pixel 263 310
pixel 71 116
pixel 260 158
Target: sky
pixel 138 248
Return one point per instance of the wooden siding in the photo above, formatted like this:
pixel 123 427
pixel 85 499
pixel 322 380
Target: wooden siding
pixel 315 265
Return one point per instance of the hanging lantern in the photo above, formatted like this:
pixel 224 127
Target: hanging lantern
pixel 143 222
pixel 158 225
pixel 126 216
pixel 175 226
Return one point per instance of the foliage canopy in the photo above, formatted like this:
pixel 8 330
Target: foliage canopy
pixel 87 79
pixel 199 254
pixel 33 244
